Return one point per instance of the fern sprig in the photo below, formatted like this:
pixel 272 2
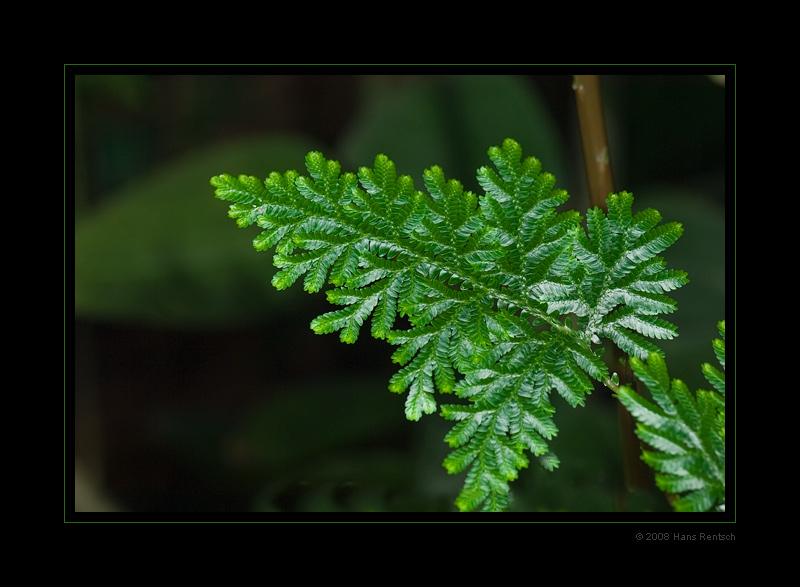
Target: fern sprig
pixel 685 431
pixel 505 295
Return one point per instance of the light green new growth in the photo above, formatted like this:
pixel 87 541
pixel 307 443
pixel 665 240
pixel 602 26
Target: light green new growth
pixel 506 297
pixel 686 432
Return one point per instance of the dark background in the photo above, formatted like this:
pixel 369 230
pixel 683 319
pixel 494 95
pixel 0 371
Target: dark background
pixel 199 388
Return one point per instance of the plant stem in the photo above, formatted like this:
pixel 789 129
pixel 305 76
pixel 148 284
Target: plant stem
pixel 601 184
pixel 594 139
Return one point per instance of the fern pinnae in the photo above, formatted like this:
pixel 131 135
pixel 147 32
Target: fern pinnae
pixel 489 284
pixel 241 190
pixel 685 432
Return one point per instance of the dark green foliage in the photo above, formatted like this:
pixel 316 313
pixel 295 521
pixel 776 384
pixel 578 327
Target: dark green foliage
pixel 506 298
pixel 685 431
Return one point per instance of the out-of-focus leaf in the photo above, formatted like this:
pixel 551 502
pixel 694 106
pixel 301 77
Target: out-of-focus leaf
pixel 449 121
pixel 162 251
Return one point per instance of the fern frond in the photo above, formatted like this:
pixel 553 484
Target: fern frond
pixel 686 432
pixel 489 284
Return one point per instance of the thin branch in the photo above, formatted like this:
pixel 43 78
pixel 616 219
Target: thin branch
pixel 593 137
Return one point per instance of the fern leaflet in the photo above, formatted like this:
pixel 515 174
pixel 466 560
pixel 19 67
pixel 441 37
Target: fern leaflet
pixel 686 431
pixel 506 297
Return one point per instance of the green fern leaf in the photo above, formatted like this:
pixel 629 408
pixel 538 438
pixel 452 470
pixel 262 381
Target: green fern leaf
pixel 491 285
pixel 687 432
pixel 242 189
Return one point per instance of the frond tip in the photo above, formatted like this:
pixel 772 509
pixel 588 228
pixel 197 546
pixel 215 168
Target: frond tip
pixel 686 433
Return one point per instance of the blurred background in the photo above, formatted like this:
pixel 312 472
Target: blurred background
pixel 199 388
